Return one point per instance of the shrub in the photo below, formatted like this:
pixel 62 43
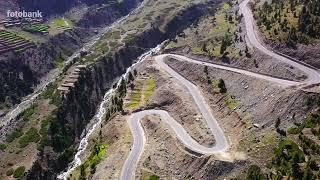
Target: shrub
pixel 16 134
pixel 154 177
pixel 9 172
pixel 254 173
pixel 293 130
pixel 28 112
pixel 3 147
pixel 30 136
pixel 222 86
pixel 19 172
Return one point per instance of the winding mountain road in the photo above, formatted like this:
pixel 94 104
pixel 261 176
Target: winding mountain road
pixel 139 139
pixel 312 73
pixel 280 81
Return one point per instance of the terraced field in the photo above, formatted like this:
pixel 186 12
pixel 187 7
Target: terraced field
pixel 12 42
pixel 36 28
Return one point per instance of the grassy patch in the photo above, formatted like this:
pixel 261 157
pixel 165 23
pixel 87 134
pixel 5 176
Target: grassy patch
pixel 29 112
pixel 30 136
pixel 149 89
pixel 136 95
pixel 223 29
pixel 36 28
pixel 154 177
pixel 129 39
pixel 277 19
pixel 50 90
pixel 269 138
pixel 294 130
pixel 141 93
pixel 93 160
pixel 44 131
pixel 59 63
pixel 53 94
pixel 148 175
pixel 15 134
pixel 61 22
pixel 19 172
pixel 116 35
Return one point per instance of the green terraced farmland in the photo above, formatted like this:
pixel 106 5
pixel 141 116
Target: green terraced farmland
pixel 36 28
pixel 13 42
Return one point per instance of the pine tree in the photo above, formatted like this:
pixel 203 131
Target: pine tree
pixel 222 86
pixel 131 78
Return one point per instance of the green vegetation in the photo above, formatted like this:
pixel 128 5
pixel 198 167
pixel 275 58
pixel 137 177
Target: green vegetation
pixel 53 94
pixel 3 147
pixel 44 131
pixel 149 89
pixel 148 175
pixel 9 36
pixel 289 21
pixel 19 172
pixel 14 41
pixel 15 134
pixel 61 22
pixel 287 159
pixel 141 92
pixel 95 157
pixel 310 122
pixel 294 130
pixel 31 135
pixel 26 115
pixel 36 28
pixel 59 62
pixel 254 173
pixel 129 39
pixel 154 177
pixel 232 102
pixel 9 172
pixel 136 95
pixel 220 39
pixel 296 156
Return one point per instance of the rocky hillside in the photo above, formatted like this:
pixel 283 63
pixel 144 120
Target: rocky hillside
pixel 79 107
pixel 291 27
pixel 70 114
pixel 51 7
pixel 28 67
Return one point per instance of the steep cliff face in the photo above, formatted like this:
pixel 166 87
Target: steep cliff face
pixel 47 6
pixel 80 105
pixel 28 67
pixel 102 12
pixel 20 72
pixel 53 7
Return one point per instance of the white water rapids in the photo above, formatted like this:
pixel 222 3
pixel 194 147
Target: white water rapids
pixel 101 114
